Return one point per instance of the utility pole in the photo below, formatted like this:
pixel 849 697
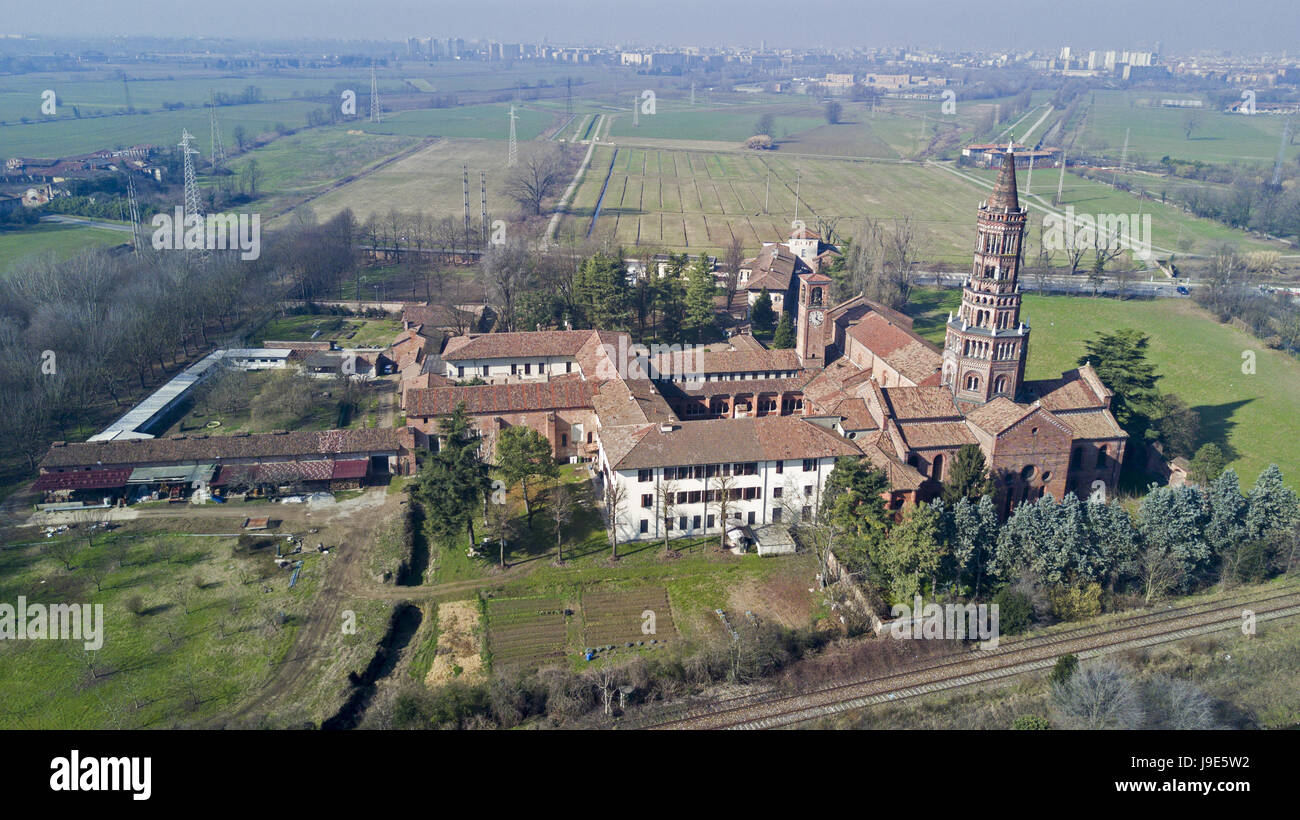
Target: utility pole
pixel 134 205
pixel 482 184
pixel 376 113
pixel 192 205
pixel 465 187
pixel 1060 183
pixel 218 150
pixel 513 156
pixel 767 189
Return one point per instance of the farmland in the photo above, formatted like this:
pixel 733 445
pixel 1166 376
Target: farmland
pixel 1249 415
pixel 59 240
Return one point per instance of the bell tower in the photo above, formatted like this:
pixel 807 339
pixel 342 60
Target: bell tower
pixel 814 300
pixel 986 343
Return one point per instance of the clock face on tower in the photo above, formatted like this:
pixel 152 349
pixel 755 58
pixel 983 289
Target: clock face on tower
pixel 815 318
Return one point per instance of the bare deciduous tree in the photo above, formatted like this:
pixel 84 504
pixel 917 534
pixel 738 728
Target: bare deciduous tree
pixel 535 179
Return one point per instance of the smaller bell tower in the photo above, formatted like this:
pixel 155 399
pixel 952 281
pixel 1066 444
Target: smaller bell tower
pixel 812 334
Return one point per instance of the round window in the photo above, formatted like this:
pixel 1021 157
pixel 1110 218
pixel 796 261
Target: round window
pixel 1027 473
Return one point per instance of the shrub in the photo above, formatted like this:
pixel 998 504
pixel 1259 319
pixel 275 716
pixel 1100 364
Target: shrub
pixel 1015 611
pixel 1033 722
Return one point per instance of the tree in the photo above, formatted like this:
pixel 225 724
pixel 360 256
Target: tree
pixel 524 454
pixel 615 499
pixel 602 292
pixel 733 257
pixel 833 110
pixel 501 524
pixel 1207 464
pixel 765 125
pixel 1191 124
pixel 1063 670
pixel 913 553
pixel 1273 505
pixel 720 489
pixel 241 137
pixel 974 534
pixel 561 502
pixel 533 180
pixel 700 288
pixel 455 479
pixel 1120 359
pixel 1098 696
pixel 666 498
pixel 969 475
pixel 783 338
pixel 761 313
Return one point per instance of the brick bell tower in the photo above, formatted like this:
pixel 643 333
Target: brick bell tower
pixel 986 344
pixel 812 333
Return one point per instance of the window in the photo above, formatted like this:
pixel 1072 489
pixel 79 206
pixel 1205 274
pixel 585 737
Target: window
pixel 751 493
pixel 514 369
pixel 668 524
pixel 645 525
pixel 528 368
pixel 807 513
pixel 460 370
pixel 780 467
pixel 695 523
pixel 711 519
pixel 484 370
pixel 693 497
pixel 807 490
pixel 681 499
pixel 751 517
pixel 645 475
pixel 564 439
pixel 589 437
pixel 681 522
pixel 1101 456
pixel 734 494
pixel 809 464
pixel 776 492
pixel 568 367
pixel 647 500
pixel 776 515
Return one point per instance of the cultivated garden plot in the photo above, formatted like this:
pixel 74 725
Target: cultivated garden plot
pixel 619 617
pixel 526 631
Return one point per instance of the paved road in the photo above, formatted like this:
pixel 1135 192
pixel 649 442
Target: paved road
pixel 81 220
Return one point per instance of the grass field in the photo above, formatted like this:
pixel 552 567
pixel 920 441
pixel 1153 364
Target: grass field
pixel 61 240
pixel 1253 416
pixel 206 637
pixel 348 331
pixel 1154 132
pixel 430 180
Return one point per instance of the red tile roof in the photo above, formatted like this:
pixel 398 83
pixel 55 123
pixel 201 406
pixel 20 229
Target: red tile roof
pixel 516 345
pixel 500 398
pixel 83 480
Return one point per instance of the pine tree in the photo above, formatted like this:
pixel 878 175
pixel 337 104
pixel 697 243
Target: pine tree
pixel 968 477
pixel 1119 358
pixel 701 317
pixel 1273 505
pixel 783 338
pixel 761 314
pixel 524 454
pixel 913 553
pixel 455 479
pixel 974 532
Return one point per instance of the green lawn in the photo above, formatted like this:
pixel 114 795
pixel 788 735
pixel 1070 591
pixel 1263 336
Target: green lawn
pixel 348 331
pixel 1200 359
pixel 206 638
pixel 61 240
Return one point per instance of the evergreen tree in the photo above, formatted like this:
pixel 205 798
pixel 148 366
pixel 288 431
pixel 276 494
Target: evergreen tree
pixel 671 296
pixel 974 533
pixel 853 502
pixel 1207 464
pixel 523 454
pixel 453 482
pixel 701 317
pixel 761 314
pixel 968 477
pixel 602 295
pixel 783 338
pixel 1120 359
pixel 1226 527
pixel 1273 505
pixel 1172 522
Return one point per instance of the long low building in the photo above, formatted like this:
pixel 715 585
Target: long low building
pixel 335 458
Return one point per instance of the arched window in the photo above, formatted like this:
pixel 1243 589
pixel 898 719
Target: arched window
pixel 936 472
pixel 1101 456
pixel 1000 386
pixel 972 381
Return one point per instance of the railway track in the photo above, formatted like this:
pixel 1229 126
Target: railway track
pixel 775 708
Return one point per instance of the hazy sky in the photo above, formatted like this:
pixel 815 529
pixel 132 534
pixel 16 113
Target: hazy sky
pixel 1182 25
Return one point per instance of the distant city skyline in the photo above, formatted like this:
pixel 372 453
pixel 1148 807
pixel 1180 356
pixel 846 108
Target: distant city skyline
pixel 1196 25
